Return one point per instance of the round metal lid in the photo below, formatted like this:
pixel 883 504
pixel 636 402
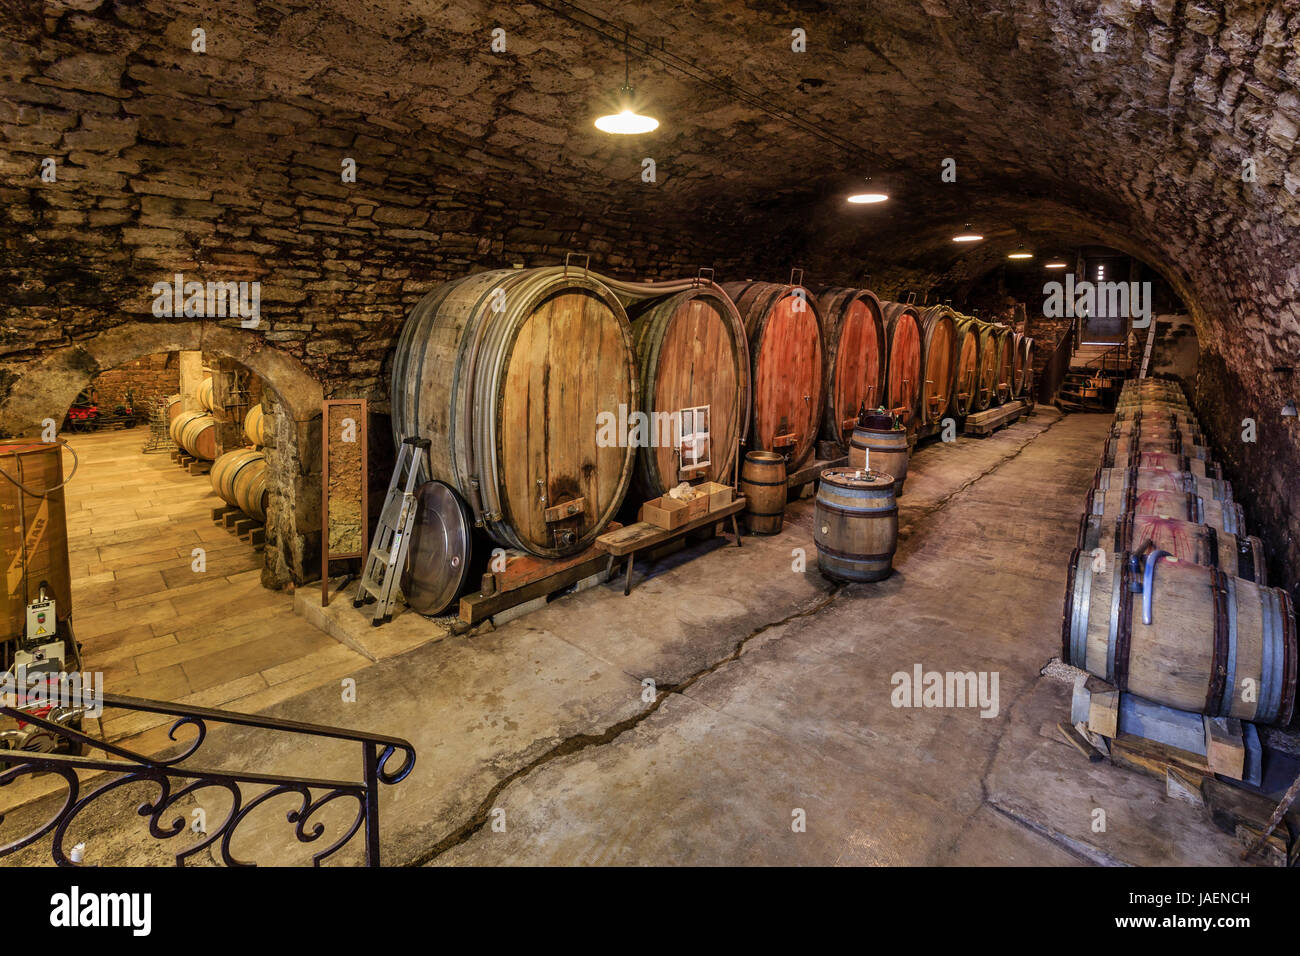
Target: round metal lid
pixel 857 478
pixel 438 555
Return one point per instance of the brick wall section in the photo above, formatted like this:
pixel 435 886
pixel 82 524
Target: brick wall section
pixel 149 378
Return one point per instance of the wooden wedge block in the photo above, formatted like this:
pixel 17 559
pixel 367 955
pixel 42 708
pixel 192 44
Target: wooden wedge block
pixel 1184 786
pixel 1225 749
pixel 1103 709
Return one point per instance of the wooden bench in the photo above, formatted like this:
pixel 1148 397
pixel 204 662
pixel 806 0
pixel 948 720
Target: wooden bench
pixel 626 542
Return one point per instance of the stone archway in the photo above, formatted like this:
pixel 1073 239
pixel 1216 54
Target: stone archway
pixel 46 388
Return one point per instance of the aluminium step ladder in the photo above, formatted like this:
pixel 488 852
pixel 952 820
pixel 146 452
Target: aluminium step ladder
pixel 387 558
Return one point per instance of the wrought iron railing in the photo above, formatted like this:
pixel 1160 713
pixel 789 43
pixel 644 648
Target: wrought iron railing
pixel 176 779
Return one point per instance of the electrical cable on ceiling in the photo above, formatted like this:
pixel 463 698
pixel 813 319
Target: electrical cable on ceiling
pixel 761 101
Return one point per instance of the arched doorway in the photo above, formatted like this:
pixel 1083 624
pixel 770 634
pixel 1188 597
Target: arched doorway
pixel 44 392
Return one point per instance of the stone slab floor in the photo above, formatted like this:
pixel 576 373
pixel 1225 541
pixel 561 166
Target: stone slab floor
pixel 732 694
pixel 148 620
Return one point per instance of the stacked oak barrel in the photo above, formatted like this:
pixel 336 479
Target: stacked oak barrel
pixel 1166 595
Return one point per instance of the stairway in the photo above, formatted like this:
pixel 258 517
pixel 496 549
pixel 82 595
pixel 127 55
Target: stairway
pixel 1097 372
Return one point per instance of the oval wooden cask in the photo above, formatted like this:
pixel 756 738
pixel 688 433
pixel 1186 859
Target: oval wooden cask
pixel 1026 380
pixel 255 425
pixel 853 329
pixel 966 381
pixel 205 395
pixel 1137 413
pixel 1119 450
pixel 228 466
pixel 855 525
pixel 987 391
pixel 1211 637
pixel 33 531
pixel 692 352
pixel 904 370
pixel 886 452
pixel 939 354
pixel 524 381
pixel 1223 515
pixel 250 487
pixel 786 357
pixel 1006 351
pixel 763 485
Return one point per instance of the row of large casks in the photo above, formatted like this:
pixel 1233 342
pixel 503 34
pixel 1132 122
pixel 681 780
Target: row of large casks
pixel 504 371
pixel 1167 594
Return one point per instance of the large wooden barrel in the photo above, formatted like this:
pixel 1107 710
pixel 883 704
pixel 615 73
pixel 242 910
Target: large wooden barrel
pixel 1026 378
pixel 786 358
pixel 1215 644
pixel 966 381
pixel 239 478
pixel 1017 363
pixel 854 331
pixel 255 425
pixel 525 382
pixel 939 352
pixel 855 525
pixel 196 434
pixel 883 451
pixel 905 371
pixel 1241 556
pixel 1170 461
pixel 763 485
pixel 1161 479
pixel 692 354
pixel 33 531
pixel 1006 351
pixel 986 393
pixel 173 408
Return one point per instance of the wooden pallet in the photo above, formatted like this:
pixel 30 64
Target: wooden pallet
pixel 987 422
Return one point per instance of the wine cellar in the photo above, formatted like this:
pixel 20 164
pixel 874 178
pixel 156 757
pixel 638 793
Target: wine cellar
pixel 644 427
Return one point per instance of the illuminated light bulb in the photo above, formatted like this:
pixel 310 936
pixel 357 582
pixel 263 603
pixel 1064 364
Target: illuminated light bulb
pixel 862 199
pixel 626 123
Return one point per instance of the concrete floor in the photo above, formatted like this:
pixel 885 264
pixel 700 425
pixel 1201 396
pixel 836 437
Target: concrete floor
pixel 541 743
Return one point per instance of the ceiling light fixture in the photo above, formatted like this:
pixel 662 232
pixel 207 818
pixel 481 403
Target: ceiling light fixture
pixel 867 198
pixel 1056 264
pixel 627 121
pixel 967 236
pixel 1020 253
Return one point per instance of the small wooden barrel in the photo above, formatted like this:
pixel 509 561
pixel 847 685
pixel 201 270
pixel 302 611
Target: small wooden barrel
pixel 1159 479
pixel 966 381
pixel 1240 556
pixel 255 426
pixel 196 433
pixel 1223 515
pixel 228 466
pixel 1174 462
pixel 251 492
pixel 1119 450
pixel 762 483
pixel 205 395
pixel 1216 644
pixel 1158 428
pixel 854 333
pixel 855 526
pixel 881 451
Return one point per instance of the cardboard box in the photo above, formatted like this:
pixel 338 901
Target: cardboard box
pixel 719 494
